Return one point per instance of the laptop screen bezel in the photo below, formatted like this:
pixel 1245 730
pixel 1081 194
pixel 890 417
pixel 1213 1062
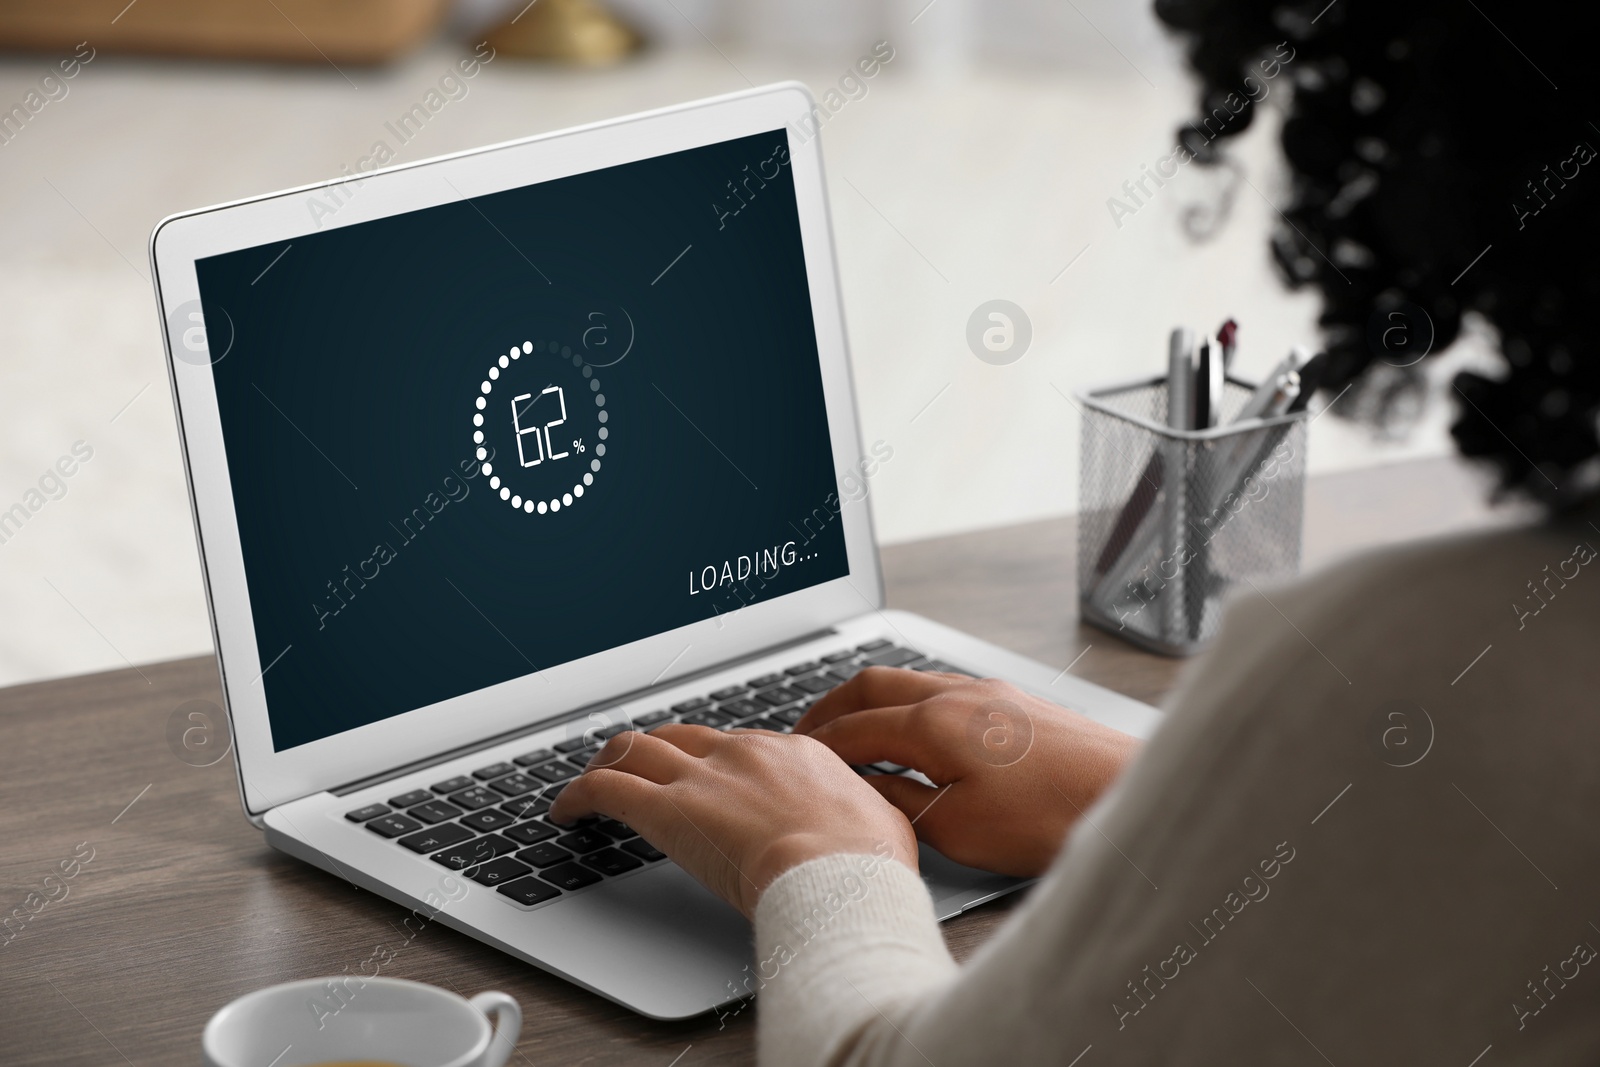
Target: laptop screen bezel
pixel 269 778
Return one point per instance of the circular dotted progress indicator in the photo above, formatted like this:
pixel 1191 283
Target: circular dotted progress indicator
pixel 539 428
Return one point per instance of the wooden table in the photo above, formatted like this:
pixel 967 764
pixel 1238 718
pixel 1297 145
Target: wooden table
pixel 184 908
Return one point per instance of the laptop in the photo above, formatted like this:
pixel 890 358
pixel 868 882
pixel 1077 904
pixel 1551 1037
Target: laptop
pixel 496 455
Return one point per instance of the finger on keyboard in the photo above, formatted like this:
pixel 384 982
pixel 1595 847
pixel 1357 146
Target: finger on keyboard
pixel 881 688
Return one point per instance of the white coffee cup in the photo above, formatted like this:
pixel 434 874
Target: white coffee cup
pixel 351 1018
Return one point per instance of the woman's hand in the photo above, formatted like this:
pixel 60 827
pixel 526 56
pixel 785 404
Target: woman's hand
pixel 736 809
pixel 1013 772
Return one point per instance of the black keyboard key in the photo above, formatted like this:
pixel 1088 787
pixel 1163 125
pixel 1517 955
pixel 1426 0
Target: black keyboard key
pixel 530 833
pixel 514 785
pixel 840 656
pixel 553 772
pixel 947 668
pixel 523 807
pixel 619 831
pixel 434 811
pixel 529 891
pixel 612 731
pixel 765 680
pixel 643 849
pixel 544 855
pixel 583 839
pixel 393 825
pixel 893 657
pixel 538 755
pixel 728 692
pixel 471 853
pixel 651 719
pixel 846 671
pixel 453 785
pixel 714 719
pixel 802 668
pixel 611 862
pixel 771 722
pixel 788 716
pixel 499 871
pixel 405 800
pixel 581 760
pixel 487 820
pixel 569 876
pixel 873 646
pixel 475 798
pixel 436 837
pixel 743 709
pixel 780 696
pixel 694 704
pixel 571 744
pixel 817 683
pixel 371 811
pixel 494 770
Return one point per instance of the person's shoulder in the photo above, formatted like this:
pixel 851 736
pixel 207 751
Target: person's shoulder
pixel 1352 669
pixel 1413 618
pixel 1416 603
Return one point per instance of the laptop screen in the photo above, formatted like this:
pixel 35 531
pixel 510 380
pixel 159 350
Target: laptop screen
pixel 475 441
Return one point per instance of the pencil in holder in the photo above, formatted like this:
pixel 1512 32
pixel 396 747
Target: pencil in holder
pixel 1170 520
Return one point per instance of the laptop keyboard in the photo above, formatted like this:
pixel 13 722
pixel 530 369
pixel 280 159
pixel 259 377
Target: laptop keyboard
pixel 492 826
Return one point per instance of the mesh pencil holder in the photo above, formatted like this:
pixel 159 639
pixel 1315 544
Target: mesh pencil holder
pixel 1169 520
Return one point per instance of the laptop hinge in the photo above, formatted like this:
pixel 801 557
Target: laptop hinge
pixel 576 713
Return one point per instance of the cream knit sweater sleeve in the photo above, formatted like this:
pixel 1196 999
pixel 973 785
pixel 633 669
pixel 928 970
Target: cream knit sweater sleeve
pixel 1345 846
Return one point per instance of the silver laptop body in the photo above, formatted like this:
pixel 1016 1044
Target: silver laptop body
pixel 495 455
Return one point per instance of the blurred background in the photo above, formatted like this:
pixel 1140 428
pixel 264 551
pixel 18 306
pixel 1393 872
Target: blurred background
pixel 977 165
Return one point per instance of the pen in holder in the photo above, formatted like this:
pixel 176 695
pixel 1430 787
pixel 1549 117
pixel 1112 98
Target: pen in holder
pixel 1170 519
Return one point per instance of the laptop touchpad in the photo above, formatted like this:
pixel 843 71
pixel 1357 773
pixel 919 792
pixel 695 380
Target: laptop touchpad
pixel 955 888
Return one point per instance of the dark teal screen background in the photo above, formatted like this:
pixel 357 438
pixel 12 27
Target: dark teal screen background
pixel 347 397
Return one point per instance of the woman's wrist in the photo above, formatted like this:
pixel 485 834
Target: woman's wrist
pixel 792 850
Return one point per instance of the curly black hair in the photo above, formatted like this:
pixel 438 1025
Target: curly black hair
pixel 1442 161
